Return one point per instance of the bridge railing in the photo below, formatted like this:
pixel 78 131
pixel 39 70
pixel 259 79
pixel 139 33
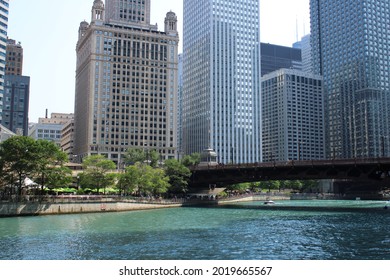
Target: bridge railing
pixel 290 163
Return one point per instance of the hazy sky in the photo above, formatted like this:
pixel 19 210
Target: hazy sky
pixel 48 30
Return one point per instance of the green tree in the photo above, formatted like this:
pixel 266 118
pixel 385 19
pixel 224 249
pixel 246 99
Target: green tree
pixel 19 159
pixel 310 186
pixel 159 181
pixel 86 181
pixel 145 156
pixel 239 188
pixel 96 172
pixel 145 185
pixel 144 179
pixel 178 174
pixel 284 185
pixel 296 185
pixel 191 160
pixel 59 176
pixel 134 155
pixel 274 185
pixel 255 186
pixel 128 181
pixel 50 165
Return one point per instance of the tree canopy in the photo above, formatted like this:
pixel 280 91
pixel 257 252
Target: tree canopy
pixel 178 175
pixel 144 156
pixel 96 175
pixel 191 160
pixel 22 157
pixel 143 180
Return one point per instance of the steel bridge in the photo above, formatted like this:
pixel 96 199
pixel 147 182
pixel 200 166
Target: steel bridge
pixel 367 169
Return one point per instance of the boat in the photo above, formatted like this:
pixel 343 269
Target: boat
pixel 269 202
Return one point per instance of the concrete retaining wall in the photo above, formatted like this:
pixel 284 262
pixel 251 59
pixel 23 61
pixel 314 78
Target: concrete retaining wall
pixel 10 209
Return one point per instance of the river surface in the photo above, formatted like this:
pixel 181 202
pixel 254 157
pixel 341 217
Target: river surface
pixel 305 230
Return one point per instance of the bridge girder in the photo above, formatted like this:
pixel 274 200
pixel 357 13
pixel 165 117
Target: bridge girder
pixel 377 170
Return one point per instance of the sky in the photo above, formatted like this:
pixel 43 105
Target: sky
pixel 48 31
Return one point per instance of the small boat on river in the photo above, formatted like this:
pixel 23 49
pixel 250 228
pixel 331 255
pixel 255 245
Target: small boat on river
pixel 269 202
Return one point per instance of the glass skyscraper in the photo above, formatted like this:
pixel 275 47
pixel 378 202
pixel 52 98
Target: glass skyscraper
pixel 304 45
pixel 221 79
pixel 4 7
pixel 351 50
pixel 274 57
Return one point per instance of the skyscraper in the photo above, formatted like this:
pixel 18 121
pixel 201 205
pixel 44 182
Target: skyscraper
pixel 274 57
pixel 293 116
pixel 4 7
pixel 16 91
pixel 14 59
pixel 351 50
pixel 126 81
pixel 16 103
pixel 180 107
pixel 221 79
pixel 304 45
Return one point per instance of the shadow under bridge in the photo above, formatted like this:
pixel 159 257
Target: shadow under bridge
pixel 368 169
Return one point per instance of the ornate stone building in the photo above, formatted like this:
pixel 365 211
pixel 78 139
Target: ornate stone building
pixel 126 82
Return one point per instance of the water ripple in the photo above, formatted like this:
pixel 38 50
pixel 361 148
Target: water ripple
pixel 199 233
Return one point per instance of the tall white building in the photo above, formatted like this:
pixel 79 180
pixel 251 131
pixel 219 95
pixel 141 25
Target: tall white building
pixel 4 8
pixel 293 116
pixel 126 82
pixel 221 79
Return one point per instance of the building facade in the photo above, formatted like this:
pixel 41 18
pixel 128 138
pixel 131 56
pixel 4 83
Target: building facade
pixel 16 103
pixel 128 11
pixel 126 82
pixel 305 46
pixel 293 116
pixel 221 79
pixel 275 57
pixel 14 58
pixel 351 50
pixel 50 128
pixel 16 91
pixel 5 133
pixel 47 131
pixel 180 108
pixel 67 139
pixel 4 9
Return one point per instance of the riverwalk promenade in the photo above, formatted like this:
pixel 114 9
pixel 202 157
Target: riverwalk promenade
pixel 76 204
pixel 53 205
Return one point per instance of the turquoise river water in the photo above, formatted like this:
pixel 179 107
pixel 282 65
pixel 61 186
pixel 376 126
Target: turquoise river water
pixel 288 230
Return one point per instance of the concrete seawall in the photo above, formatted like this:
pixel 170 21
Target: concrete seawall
pixel 69 206
pixel 12 209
